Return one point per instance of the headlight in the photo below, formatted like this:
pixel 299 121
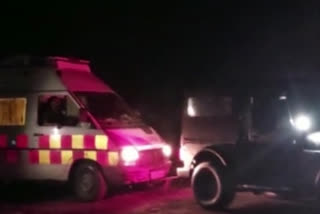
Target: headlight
pixel 167 151
pixel 190 109
pixel 302 123
pixel 314 138
pixel 129 154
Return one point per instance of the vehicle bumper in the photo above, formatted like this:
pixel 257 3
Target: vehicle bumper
pixel 136 174
pixel 183 172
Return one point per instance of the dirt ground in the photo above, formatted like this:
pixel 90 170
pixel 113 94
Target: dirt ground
pixel 172 198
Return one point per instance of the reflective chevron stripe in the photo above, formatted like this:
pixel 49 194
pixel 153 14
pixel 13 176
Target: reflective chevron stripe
pixel 96 142
pixel 68 156
pixel 58 149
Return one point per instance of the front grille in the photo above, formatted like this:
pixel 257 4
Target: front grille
pixel 151 157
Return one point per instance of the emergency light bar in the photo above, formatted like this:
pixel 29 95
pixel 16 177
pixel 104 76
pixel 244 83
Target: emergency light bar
pixel 65 64
pixel 72 60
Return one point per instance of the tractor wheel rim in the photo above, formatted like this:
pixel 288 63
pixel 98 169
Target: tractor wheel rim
pixel 206 186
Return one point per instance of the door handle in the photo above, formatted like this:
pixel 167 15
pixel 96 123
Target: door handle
pixel 37 134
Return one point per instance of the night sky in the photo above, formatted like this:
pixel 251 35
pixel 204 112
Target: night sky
pixel 151 52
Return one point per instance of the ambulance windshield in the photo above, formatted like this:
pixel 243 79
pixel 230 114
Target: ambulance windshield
pixel 108 108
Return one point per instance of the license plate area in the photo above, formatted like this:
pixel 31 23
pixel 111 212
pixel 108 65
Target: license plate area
pixel 157 174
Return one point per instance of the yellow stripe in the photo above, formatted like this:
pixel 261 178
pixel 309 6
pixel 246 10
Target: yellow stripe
pixel 101 142
pixel 44 157
pixel 66 157
pixel 77 141
pixel 90 155
pixel 55 142
pixel 113 158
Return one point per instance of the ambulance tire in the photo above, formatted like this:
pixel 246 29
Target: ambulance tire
pixel 210 186
pixel 88 183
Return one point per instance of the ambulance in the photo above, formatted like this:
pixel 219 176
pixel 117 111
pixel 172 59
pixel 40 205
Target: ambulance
pixel 58 121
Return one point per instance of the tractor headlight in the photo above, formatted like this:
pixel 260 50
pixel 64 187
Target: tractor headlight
pixel 302 123
pixel 314 138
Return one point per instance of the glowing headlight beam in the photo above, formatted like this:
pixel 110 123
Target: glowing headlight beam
pixel 129 154
pixel 167 150
pixel 314 138
pixel 302 123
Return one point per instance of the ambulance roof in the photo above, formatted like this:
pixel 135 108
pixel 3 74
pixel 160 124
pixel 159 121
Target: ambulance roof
pixel 49 74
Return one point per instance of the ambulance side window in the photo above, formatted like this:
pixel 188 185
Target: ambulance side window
pixel 57 110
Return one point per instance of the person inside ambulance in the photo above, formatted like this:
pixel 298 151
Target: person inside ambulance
pixel 53 113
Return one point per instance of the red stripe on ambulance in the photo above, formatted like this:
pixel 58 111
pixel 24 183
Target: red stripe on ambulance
pixel 78 154
pixel 22 141
pixel 55 157
pixel 66 141
pixel 89 142
pixel 34 156
pixel 44 142
pixel 102 157
pixel 3 141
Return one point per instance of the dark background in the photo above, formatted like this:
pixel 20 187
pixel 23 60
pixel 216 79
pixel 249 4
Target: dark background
pixel 151 52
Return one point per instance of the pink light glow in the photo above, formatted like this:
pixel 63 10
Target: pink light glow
pixel 167 150
pixel 129 154
pixel 134 137
pixel 83 81
pixel 181 154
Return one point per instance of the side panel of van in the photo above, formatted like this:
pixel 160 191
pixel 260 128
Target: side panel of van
pixel 35 151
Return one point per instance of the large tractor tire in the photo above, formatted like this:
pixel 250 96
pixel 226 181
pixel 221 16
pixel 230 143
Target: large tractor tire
pixel 211 187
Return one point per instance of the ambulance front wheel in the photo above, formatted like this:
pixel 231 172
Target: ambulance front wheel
pixel 88 183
